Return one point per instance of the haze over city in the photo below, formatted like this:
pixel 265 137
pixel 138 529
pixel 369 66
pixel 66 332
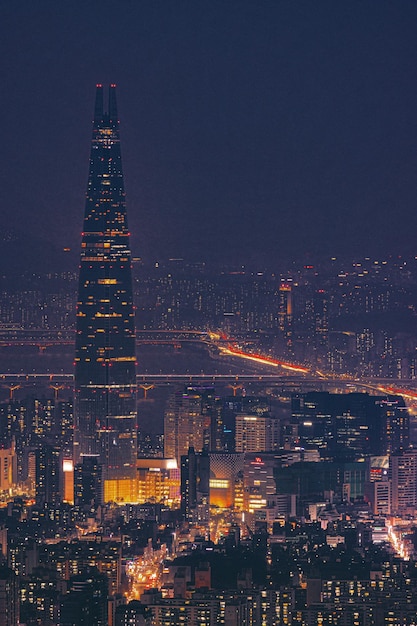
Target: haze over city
pixel 252 132
pixel 208 314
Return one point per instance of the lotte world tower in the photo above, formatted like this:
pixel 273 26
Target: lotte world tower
pixel 105 362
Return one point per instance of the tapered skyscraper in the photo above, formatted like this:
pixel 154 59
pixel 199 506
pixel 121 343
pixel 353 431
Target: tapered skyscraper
pixel 105 363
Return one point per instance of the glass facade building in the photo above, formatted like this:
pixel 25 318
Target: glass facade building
pixel 105 362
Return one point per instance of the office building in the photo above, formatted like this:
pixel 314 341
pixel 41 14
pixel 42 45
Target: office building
pixel 258 481
pixel 346 426
pixel 226 476
pixel 403 467
pixel 158 481
pixel 105 364
pixel 378 486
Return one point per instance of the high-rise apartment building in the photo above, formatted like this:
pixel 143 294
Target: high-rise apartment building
pixel 255 433
pixel 44 463
pixel 285 316
pixel 195 480
pixel 105 364
pixel 403 466
pixel 88 488
pixel 185 425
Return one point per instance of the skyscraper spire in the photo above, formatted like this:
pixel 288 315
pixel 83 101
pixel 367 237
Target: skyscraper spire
pixel 112 103
pixel 105 372
pixel 99 105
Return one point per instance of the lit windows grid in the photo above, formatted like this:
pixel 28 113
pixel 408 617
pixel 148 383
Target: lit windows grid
pixel 105 361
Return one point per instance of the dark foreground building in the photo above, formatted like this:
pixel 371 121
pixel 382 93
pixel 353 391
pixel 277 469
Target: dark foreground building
pixel 9 597
pixel 105 368
pixel 85 603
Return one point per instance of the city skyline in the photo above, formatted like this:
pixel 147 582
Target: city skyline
pixel 253 132
pixel 213 419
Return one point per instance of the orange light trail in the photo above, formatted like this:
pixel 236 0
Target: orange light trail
pixel 412 395
pixel 258 358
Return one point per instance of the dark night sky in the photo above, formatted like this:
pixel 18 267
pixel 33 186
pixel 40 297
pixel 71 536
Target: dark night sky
pixel 250 130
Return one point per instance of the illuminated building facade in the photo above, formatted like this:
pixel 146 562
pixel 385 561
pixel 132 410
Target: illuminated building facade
pixel 158 481
pixel 255 433
pixel 8 468
pixel 225 470
pixel 67 481
pixel 378 485
pixel 105 363
pixel 258 481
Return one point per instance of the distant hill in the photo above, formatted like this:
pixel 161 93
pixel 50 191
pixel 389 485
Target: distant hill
pixel 21 253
